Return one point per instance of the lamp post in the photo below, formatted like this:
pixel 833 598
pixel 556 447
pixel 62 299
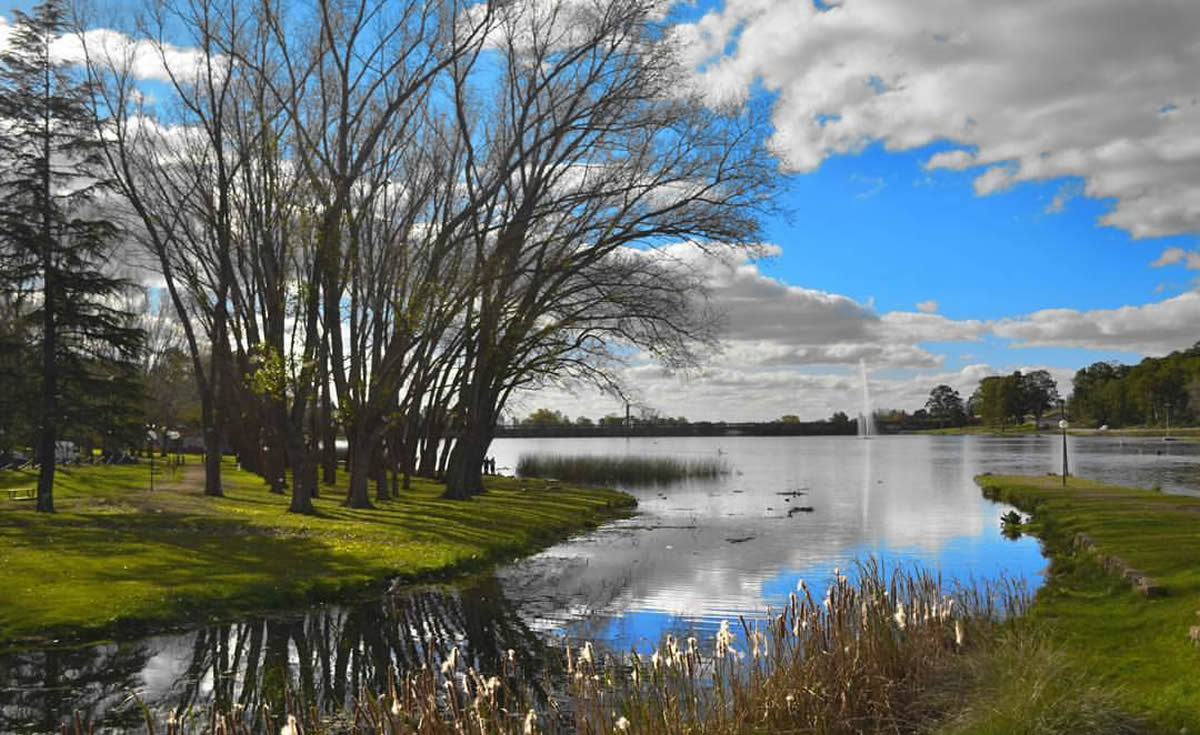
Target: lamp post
pixel 151 437
pixel 173 436
pixel 1062 424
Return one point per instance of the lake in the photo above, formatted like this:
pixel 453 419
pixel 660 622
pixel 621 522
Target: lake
pixel 696 553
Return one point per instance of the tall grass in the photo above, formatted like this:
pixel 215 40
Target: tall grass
pixel 618 469
pixel 885 651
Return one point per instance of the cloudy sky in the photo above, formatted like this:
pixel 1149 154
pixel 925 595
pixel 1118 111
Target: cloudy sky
pixel 972 187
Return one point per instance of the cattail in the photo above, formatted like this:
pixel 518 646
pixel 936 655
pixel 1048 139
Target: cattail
pixel 724 640
pixel 900 618
pixel 674 656
pixel 585 653
pixel 451 663
pixel 958 634
pixel 530 723
pixel 291 728
pixel 759 643
pixel 622 724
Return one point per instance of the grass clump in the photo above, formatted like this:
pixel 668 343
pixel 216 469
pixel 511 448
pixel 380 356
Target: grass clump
pixel 1104 543
pixel 1023 684
pixel 618 469
pixel 117 558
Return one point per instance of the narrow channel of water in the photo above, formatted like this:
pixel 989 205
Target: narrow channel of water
pixel 696 553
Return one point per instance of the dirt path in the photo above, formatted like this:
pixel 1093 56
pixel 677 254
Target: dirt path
pixel 186 478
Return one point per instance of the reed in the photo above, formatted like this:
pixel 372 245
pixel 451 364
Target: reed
pixel 883 650
pixel 618 469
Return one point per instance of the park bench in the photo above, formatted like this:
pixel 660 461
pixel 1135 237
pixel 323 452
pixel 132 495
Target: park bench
pixel 22 493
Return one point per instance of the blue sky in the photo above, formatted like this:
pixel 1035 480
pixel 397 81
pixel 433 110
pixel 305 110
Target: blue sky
pixel 875 226
pixel 969 187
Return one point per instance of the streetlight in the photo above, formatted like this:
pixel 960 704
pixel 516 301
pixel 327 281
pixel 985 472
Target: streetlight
pixel 151 437
pixel 173 436
pixel 1062 424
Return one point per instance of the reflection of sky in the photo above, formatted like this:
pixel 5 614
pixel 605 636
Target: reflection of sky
pixel 700 552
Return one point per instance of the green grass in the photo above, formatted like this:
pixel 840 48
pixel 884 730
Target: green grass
pixel 1137 644
pixel 1022 684
pixel 117 558
pixel 625 469
pixel 1051 427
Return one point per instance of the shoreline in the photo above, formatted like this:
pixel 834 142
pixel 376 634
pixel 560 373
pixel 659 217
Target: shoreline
pixel 119 562
pixel 1187 433
pixel 1122 590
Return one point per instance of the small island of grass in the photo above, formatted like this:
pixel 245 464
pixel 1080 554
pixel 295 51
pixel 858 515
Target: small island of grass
pixel 117 559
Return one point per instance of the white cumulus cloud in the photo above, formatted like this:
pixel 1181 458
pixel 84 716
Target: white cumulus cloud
pixel 1103 90
pixel 1151 329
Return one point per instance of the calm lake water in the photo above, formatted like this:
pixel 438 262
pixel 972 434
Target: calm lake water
pixel 696 553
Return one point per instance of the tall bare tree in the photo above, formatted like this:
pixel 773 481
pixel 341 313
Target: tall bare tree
pixel 593 149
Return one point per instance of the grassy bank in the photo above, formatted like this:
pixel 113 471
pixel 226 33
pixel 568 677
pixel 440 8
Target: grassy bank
pixel 1090 605
pixel 981 430
pixel 1187 433
pixel 118 558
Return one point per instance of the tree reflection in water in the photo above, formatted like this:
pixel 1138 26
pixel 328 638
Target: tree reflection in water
pixel 322 660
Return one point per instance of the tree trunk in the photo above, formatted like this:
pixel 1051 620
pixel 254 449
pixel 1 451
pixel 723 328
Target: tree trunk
pixel 464 475
pixel 429 448
pixel 275 466
pixel 360 476
pixel 304 472
pixel 328 435
pixel 448 444
pixel 49 436
pixel 382 490
pixel 213 447
pixel 45 489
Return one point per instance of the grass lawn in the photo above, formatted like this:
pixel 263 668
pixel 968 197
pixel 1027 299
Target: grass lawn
pixel 1186 433
pixel 1141 645
pixel 119 559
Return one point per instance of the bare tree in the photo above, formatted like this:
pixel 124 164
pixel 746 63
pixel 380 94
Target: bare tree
pixel 355 90
pixel 592 149
pixel 176 171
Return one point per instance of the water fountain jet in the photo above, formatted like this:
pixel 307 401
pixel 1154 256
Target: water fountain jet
pixel 866 419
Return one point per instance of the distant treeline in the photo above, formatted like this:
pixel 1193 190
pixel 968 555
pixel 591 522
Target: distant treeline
pixel 696 428
pixel 1158 391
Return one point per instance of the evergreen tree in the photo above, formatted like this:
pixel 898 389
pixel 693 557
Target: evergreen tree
pixel 51 239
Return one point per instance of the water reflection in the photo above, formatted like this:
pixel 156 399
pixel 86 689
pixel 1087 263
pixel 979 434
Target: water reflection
pixel 322 659
pixel 707 550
